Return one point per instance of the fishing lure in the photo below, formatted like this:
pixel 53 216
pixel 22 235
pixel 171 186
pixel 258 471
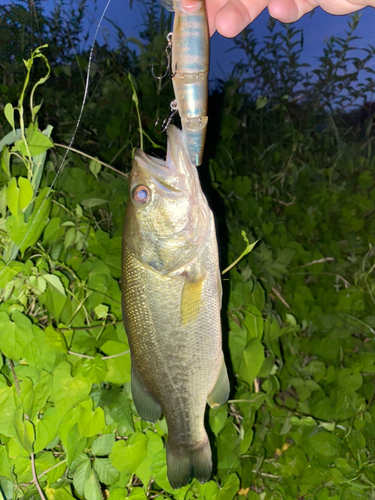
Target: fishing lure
pixel 189 45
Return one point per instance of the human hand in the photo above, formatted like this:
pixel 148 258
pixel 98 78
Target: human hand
pixel 230 17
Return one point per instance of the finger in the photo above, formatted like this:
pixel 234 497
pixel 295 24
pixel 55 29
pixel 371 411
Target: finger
pixel 190 6
pixel 340 7
pixel 212 6
pixel 235 15
pixel 288 11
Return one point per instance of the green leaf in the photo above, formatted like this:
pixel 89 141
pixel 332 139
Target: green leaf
pixel 13 194
pixel 90 422
pixel 53 231
pixel 54 302
pixel 70 237
pixel 14 335
pixel 55 282
pixel 37 143
pixel 58 494
pixel 25 194
pixel 92 487
pixel 9 114
pixel 324 444
pixel 253 322
pixel 7 408
pixel 101 311
pixel 217 418
pixel 5 161
pixel 154 446
pixel 118 369
pixel 247 250
pixel 107 473
pixel 24 431
pixel 210 490
pixel 230 487
pixel 128 456
pixel 94 369
pixel 67 391
pixel 56 473
pixel 73 444
pixel 159 470
pixel 56 339
pixel 81 475
pixel 103 445
pixel 261 102
pixel 252 360
pixel 46 428
pixel 95 167
pixel 27 395
pixel 119 494
pixel 117 401
pixel 3 201
pixel 138 494
pixel 5 470
pixel 26 235
pixel 93 202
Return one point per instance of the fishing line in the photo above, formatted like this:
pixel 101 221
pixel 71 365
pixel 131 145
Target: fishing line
pixel 63 161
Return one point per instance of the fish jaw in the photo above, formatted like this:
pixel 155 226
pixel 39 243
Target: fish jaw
pixel 177 173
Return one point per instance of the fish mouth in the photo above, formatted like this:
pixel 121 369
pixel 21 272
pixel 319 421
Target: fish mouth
pixel 171 174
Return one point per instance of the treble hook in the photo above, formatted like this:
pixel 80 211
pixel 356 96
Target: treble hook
pixel 168 51
pixel 167 121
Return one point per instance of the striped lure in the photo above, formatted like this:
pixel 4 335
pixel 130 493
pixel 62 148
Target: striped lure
pixel 190 61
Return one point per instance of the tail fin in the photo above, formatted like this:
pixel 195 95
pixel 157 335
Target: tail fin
pixel 184 464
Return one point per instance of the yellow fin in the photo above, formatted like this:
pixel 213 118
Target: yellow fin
pixel 191 299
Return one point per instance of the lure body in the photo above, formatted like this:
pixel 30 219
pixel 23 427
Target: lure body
pixel 190 64
pixel 171 296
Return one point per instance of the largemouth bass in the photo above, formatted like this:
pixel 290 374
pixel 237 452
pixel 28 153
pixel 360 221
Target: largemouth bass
pixel 171 294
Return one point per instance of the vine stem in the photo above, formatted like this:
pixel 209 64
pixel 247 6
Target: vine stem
pixel 44 472
pixel 32 456
pixel 35 479
pixel 93 357
pixel 69 148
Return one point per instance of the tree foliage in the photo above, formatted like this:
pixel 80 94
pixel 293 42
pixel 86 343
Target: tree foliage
pixel 287 164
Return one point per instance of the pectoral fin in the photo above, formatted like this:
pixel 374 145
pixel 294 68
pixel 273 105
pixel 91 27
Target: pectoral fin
pixel 191 299
pixel 147 407
pixel 220 392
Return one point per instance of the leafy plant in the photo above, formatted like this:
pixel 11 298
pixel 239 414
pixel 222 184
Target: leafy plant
pixel 298 320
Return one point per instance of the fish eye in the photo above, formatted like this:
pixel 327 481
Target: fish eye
pixel 141 194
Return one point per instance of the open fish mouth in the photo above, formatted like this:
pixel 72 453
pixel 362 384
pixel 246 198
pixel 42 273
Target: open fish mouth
pixel 174 173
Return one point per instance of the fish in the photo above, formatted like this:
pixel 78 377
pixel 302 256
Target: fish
pixel 171 299
pixel 190 65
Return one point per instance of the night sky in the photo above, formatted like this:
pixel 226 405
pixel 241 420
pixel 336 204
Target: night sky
pixel 316 27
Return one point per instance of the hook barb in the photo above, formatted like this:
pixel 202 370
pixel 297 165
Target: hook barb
pixel 167 121
pixel 168 51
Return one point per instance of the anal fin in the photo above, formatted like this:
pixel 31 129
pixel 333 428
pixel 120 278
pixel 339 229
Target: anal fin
pixel 147 407
pixel 220 392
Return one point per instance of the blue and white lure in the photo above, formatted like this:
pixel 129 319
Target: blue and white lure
pixel 190 62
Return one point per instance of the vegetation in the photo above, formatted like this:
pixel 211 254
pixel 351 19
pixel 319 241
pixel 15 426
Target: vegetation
pixel 290 163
